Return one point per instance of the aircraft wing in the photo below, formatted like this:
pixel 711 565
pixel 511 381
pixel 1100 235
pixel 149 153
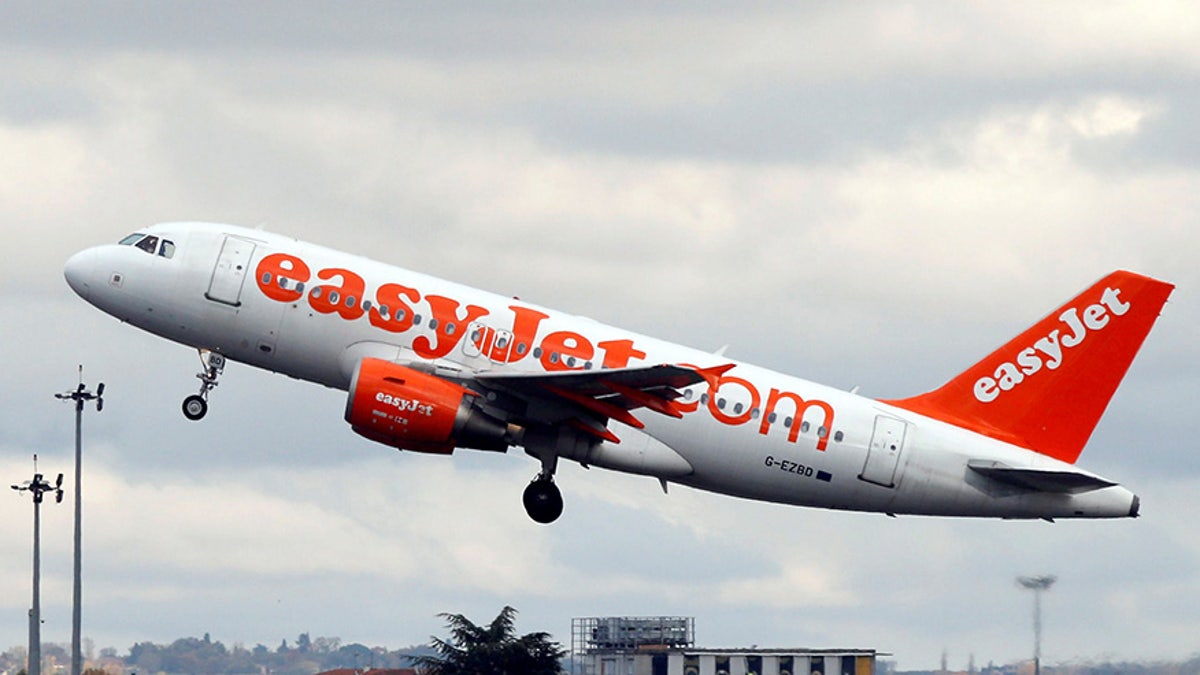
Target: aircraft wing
pixel 1068 482
pixel 588 399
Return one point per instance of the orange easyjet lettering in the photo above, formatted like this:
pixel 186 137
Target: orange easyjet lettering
pixel 448 326
pixel 565 350
pixel 524 332
pixel 279 276
pixel 768 413
pixel 801 406
pixel 345 299
pixel 392 313
pixel 283 277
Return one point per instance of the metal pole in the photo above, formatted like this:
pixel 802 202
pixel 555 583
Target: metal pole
pixel 1037 585
pixel 38 487
pixel 79 395
pixel 35 614
pixel 77 596
pixel 1037 631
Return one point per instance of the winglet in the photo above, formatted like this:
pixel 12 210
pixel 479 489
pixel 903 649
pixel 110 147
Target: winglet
pixel 712 374
pixel 1047 388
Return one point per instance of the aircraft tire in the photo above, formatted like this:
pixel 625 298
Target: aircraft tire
pixel 195 407
pixel 543 501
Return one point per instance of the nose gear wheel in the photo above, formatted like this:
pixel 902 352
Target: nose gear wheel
pixel 195 407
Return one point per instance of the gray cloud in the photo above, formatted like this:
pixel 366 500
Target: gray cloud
pixel 865 195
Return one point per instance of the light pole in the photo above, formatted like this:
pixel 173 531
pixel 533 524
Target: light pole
pixel 79 395
pixel 1037 585
pixel 38 487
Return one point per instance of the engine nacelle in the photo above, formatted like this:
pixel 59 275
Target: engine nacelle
pixel 407 409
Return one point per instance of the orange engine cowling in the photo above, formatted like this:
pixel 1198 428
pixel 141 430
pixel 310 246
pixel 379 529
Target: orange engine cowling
pixel 407 409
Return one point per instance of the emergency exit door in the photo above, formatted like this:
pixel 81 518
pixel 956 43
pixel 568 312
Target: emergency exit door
pixel 229 273
pixel 883 456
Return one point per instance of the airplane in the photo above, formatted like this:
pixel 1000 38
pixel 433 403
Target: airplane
pixel 430 366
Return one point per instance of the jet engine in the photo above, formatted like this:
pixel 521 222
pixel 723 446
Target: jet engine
pixel 411 410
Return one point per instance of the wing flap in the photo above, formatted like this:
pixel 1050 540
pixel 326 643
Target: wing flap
pixel 588 399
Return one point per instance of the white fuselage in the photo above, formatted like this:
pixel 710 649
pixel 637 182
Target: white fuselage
pixel 759 434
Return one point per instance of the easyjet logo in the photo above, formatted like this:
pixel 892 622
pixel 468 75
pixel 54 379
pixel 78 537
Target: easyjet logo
pixel 398 309
pixel 393 307
pixel 1050 351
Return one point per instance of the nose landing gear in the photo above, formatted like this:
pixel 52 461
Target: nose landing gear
pixel 195 407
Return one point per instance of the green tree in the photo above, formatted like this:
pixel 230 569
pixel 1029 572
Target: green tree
pixel 494 649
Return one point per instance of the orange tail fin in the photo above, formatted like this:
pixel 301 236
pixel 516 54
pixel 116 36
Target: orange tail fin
pixel 1047 388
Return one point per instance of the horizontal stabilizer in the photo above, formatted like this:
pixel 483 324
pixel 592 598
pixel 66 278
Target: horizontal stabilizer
pixel 1041 480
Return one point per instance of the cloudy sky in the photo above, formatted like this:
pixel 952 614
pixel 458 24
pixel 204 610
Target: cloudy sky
pixel 863 193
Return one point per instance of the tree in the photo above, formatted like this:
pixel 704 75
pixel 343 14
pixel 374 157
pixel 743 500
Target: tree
pixel 493 649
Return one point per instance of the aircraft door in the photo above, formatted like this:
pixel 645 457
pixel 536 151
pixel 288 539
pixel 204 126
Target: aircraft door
pixel 230 271
pixel 484 340
pixel 883 456
pixel 501 346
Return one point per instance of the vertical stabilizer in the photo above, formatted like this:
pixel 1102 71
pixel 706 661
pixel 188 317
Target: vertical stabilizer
pixel 1047 388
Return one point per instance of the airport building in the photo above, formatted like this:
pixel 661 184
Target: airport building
pixel 665 645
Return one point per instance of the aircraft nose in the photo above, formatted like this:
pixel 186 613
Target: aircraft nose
pixel 80 270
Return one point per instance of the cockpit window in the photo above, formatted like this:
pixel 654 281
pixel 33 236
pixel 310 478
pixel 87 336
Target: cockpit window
pixel 149 244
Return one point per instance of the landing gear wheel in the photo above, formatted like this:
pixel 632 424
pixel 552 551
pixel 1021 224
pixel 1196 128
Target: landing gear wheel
pixel 195 407
pixel 543 501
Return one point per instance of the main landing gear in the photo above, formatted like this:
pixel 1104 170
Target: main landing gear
pixel 543 501
pixel 195 407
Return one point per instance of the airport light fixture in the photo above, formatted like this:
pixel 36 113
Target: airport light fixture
pixel 1037 585
pixel 80 395
pixel 38 487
